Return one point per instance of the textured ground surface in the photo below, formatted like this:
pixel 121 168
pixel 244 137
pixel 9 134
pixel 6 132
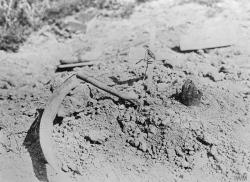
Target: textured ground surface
pixel 98 137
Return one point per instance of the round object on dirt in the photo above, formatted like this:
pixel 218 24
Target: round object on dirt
pixel 190 95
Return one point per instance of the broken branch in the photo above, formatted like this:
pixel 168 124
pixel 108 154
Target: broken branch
pixel 131 98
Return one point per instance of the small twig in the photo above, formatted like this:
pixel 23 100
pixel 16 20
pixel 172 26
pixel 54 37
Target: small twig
pixel 131 98
pixel 151 57
pixel 63 66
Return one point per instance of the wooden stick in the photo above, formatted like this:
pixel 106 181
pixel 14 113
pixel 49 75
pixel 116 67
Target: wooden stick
pixel 131 98
pixel 76 60
pixel 64 66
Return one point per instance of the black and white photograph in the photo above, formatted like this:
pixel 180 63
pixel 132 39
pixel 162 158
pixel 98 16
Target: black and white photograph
pixel 124 90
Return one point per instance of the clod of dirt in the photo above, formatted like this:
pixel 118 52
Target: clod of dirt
pixel 190 95
pixel 214 76
pixel 226 69
pixel 97 136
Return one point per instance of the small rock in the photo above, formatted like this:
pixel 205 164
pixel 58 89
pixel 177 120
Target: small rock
pixel 97 136
pixel 190 95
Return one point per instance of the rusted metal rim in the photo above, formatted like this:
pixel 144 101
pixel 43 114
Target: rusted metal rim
pixel 46 123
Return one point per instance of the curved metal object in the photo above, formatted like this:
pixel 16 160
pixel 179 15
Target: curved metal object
pixel 46 123
pixel 49 114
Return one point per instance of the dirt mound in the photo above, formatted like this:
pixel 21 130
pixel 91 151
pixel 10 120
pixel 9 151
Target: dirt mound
pixel 164 129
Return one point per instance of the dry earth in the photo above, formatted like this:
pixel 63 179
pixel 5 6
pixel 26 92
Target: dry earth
pixel 100 138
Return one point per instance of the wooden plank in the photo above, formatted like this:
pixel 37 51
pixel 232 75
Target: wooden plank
pixel 211 34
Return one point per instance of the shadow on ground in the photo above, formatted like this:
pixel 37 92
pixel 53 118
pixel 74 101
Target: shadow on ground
pixel 32 144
